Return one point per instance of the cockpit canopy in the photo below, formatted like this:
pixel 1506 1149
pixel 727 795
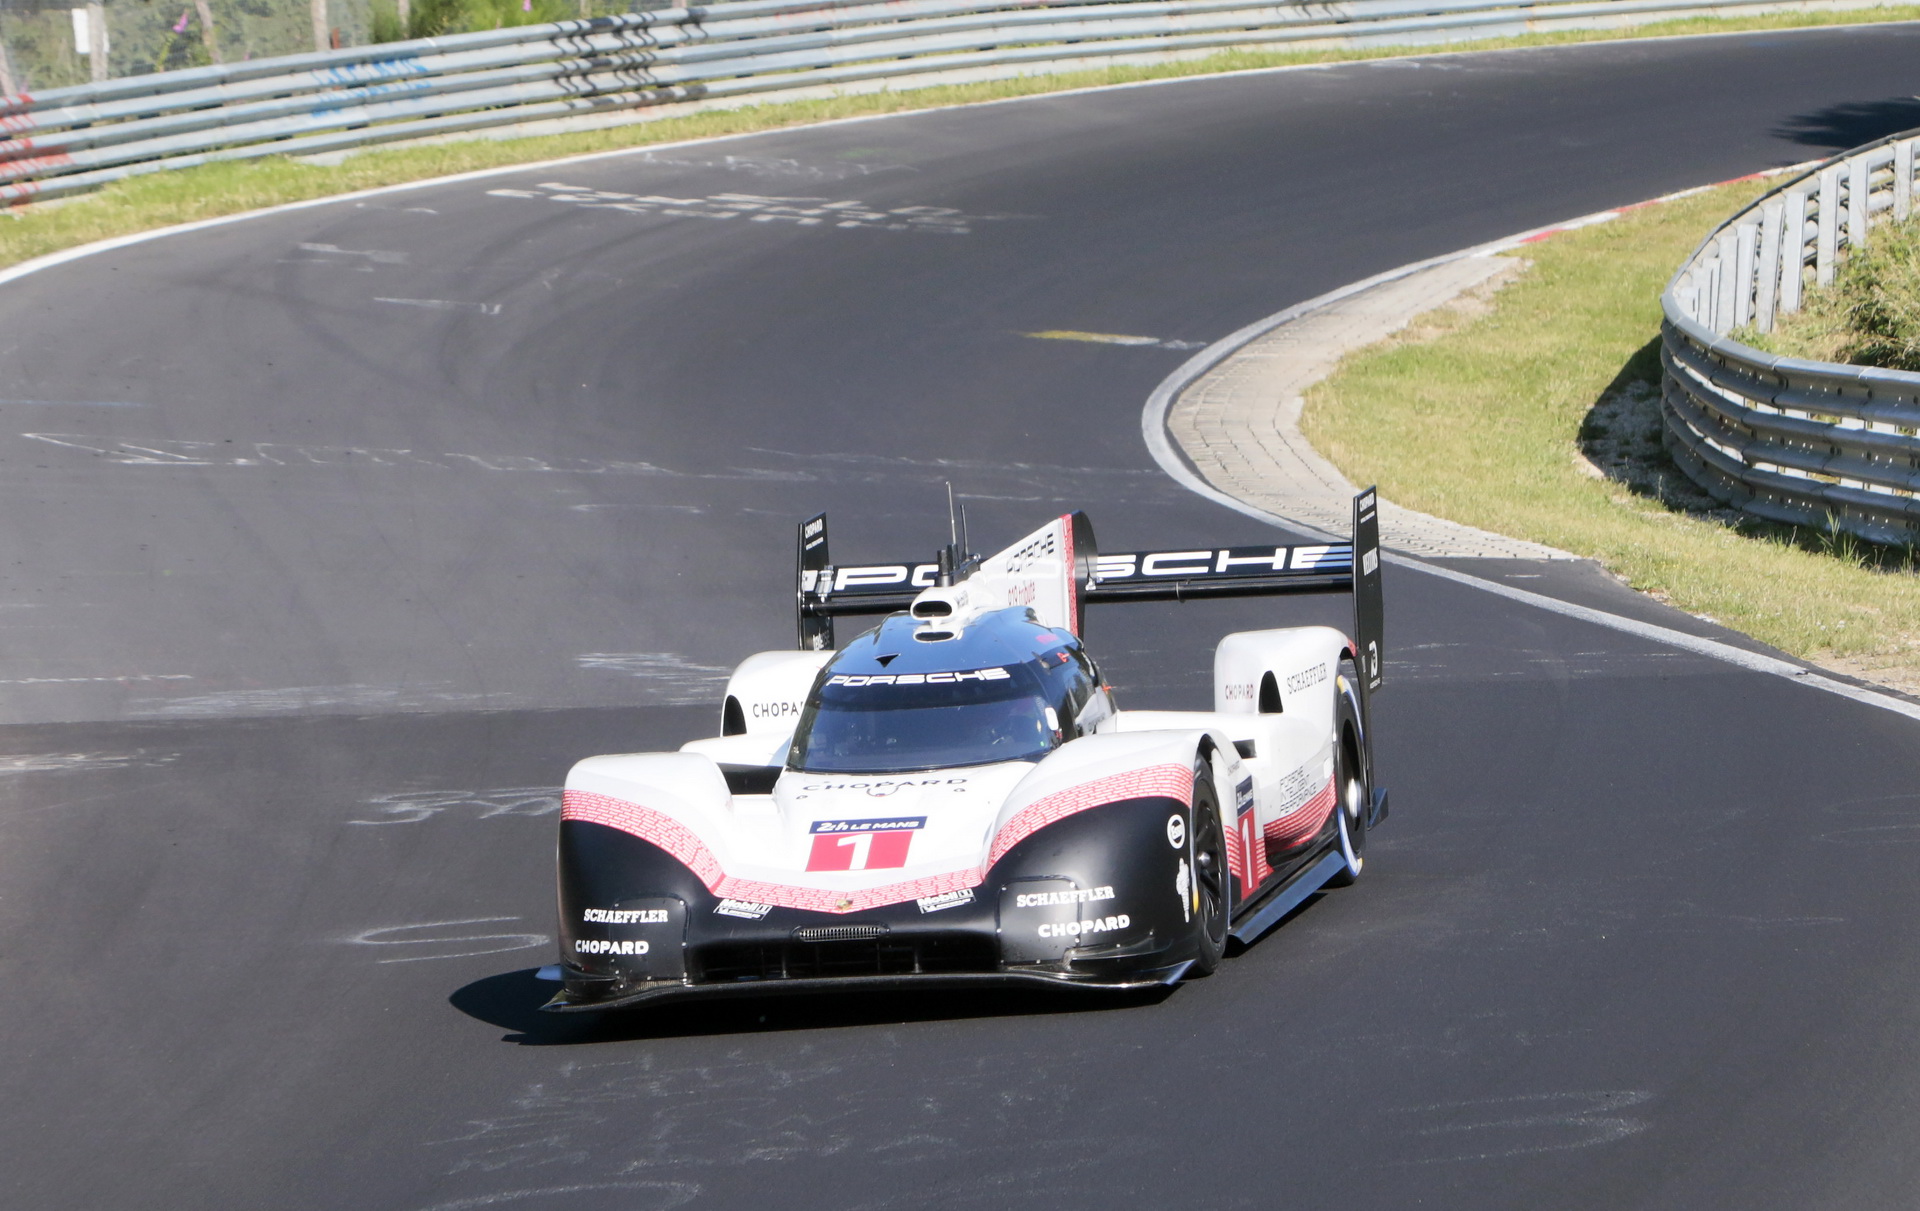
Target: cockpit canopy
pixel 1006 689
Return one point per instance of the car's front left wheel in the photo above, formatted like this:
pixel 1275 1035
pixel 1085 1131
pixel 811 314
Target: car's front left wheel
pixel 1352 785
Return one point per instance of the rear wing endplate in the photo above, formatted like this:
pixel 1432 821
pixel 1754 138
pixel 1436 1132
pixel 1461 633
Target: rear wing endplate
pixel 826 592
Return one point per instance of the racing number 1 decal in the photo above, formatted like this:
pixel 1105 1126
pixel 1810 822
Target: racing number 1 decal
pixel 862 844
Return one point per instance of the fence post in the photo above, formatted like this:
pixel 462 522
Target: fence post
pixel 206 29
pixel 97 49
pixel 322 40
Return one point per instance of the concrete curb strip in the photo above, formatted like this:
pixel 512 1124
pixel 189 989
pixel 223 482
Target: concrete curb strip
pixel 1239 422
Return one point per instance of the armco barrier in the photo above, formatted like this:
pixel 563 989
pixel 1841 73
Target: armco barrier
pixel 1803 442
pixel 71 139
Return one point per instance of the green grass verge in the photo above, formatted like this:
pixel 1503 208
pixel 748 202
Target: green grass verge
pixel 167 198
pixel 1870 316
pixel 1536 418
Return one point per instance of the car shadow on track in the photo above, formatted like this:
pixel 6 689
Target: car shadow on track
pixel 512 1001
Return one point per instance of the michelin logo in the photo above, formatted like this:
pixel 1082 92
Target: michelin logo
pixel 601 946
pixel 624 916
pixel 1041 899
pixel 1076 929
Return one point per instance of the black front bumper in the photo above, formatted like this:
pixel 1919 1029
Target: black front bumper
pixel 896 947
pixel 1089 902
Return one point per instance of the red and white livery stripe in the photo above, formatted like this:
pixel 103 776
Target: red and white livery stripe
pixel 1247 855
pixel 1152 782
pixel 665 832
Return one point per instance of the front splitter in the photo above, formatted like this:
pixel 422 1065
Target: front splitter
pixel 562 1002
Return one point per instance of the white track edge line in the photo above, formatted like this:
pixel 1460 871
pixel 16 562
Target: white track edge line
pixel 1153 428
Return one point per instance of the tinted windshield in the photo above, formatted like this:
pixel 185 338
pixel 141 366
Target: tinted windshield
pixel 875 725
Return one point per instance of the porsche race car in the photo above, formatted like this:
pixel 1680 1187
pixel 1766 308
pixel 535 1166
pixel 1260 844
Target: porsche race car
pixel 956 797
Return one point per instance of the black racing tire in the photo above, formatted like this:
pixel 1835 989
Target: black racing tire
pixel 1210 877
pixel 1352 777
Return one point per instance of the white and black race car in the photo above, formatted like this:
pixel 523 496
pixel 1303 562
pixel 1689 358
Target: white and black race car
pixel 956 797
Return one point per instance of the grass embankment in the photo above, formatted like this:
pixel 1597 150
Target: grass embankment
pixel 1537 416
pixel 1870 316
pixel 167 198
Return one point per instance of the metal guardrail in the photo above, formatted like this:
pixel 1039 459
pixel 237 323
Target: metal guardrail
pixel 72 139
pixel 1791 440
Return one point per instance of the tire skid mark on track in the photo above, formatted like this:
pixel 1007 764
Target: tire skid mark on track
pixel 1887 820
pixel 464 943
pixel 231 453
pixel 687 1110
pixel 415 807
pixel 49 763
pixel 454 305
pixel 1525 1124
pixel 301 698
pixel 846 214
pixel 124 679
pixel 773 166
pixel 329 254
pixel 673 1194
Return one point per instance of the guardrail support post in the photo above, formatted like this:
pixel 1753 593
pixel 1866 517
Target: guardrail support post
pixel 7 86
pixel 1793 252
pixel 322 39
pixel 1857 194
pixel 1747 235
pixel 1828 247
pixel 1768 273
pixel 1902 179
pixel 1724 312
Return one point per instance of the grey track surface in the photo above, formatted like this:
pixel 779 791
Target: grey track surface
pixel 275 838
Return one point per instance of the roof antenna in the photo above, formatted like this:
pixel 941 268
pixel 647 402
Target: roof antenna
pixel 948 554
pixel 966 544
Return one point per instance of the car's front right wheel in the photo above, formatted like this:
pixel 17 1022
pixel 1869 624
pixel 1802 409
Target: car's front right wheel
pixel 1209 877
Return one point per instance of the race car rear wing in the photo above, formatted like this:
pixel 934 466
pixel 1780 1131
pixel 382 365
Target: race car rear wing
pixel 826 591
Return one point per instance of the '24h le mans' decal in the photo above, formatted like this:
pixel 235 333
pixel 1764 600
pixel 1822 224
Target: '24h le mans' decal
pixel 862 844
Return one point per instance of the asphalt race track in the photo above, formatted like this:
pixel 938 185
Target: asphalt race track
pixel 332 537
